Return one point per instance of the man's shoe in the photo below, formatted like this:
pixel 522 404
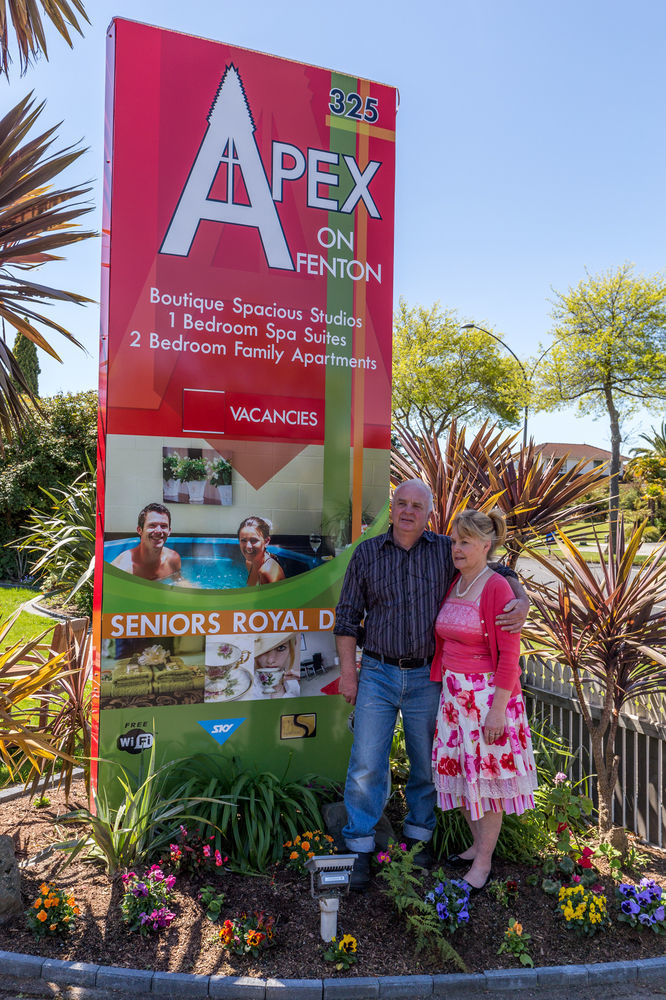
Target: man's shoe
pixel 360 876
pixel 422 858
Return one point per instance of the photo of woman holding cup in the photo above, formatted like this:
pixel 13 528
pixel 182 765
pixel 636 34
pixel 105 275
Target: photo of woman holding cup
pixel 277 668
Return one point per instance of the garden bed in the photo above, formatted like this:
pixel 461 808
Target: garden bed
pixel 384 946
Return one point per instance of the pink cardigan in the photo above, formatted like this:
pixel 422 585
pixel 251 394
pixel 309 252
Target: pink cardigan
pixel 504 646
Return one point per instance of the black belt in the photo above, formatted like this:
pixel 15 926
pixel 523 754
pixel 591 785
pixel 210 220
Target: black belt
pixel 404 662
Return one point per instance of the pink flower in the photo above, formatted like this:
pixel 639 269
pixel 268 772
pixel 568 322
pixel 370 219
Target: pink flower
pixel 513 740
pixel 467 702
pixel 206 850
pixel 490 767
pixel 384 858
pixel 218 859
pixel 559 778
pixel 507 762
pixel 522 736
pixel 403 846
pixel 474 735
pixel 454 738
pixel 514 707
pixel 451 713
pixel 453 684
pixel 472 766
pixel 584 859
pixel 575 878
pixel 478 681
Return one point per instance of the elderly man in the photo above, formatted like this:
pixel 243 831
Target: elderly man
pixel 151 559
pixel 396 583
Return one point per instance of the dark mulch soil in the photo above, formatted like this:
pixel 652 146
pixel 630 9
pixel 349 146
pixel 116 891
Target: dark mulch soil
pixel 190 944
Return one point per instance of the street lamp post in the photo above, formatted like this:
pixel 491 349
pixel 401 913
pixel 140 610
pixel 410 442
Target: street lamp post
pixel 473 326
pixel 526 377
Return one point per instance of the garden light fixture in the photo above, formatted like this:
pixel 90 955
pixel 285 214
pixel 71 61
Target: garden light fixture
pixel 329 879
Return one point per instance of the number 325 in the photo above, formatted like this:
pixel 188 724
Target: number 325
pixel 352 106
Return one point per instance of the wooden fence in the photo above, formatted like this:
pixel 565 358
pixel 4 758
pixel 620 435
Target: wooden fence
pixel 639 802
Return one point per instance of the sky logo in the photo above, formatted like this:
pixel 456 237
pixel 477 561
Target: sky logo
pixel 221 729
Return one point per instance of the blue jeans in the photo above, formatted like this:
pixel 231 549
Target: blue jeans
pixel 382 691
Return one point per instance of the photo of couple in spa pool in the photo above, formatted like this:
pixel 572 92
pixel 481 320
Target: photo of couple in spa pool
pixel 253 558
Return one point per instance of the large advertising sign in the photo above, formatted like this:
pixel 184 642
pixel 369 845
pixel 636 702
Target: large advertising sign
pixel 244 393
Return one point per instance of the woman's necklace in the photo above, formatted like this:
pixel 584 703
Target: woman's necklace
pixel 461 593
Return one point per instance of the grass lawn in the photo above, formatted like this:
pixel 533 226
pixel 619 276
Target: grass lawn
pixel 27 625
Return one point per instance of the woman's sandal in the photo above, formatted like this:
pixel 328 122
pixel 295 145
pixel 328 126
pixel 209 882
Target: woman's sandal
pixel 474 890
pixel 455 861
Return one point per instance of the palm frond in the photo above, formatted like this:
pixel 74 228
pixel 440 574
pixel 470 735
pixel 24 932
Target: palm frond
pixel 36 219
pixel 27 27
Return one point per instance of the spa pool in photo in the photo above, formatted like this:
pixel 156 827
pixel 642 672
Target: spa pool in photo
pixel 215 563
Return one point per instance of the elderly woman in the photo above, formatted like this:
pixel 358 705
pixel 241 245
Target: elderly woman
pixel 482 754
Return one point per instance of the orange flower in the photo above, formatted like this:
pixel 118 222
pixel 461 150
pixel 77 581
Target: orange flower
pixel 65 920
pixel 287 843
pixel 76 910
pixel 305 845
pixel 44 889
pixel 311 854
pixel 71 901
pixel 38 903
pixel 52 927
pixel 293 855
pixel 41 915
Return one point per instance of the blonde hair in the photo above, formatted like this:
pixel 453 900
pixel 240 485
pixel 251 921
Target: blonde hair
pixel 488 527
pixel 269 640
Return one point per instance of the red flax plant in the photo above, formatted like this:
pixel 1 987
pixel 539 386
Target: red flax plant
pixel 536 495
pixel 452 474
pixel 26 671
pixel 608 625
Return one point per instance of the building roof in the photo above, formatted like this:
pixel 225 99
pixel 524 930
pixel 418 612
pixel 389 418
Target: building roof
pixel 577 451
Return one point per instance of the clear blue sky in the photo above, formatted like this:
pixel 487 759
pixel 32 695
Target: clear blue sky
pixel 530 146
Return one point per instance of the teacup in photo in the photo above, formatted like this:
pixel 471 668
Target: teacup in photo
pixel 224 657
pixel 275 654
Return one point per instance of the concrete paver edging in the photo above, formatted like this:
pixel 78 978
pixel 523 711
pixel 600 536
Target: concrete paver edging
pixel 141 982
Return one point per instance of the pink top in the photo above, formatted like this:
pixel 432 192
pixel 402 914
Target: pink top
pixel 465 647
pixel 503 647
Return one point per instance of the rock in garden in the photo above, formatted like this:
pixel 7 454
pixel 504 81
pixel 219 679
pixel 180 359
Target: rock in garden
pixel 334 815
pixel 10 881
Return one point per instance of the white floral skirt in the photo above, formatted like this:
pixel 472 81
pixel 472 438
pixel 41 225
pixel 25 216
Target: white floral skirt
pixel 470 773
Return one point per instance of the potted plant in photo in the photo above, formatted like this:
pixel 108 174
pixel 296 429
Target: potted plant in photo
pixel 219 476
pixel 169 466
pixel 192 472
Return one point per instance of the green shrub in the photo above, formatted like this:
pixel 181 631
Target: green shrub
pixel 61 540
pixel 254 812
pixel 144 824
pixel 51 450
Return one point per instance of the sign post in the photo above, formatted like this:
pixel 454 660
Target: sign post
pixel 244 393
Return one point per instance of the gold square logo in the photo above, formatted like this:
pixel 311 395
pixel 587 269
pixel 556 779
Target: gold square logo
pixel 298 727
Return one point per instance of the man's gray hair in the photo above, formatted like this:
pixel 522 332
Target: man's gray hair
pixel 421 485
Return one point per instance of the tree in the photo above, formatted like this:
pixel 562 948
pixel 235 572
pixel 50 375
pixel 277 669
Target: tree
pixel 25 353
pixel 609 353
pixel 35 220
pixel 442 373
pixel 28 29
